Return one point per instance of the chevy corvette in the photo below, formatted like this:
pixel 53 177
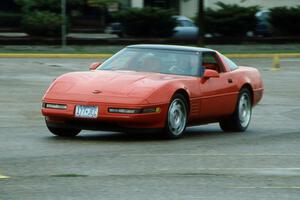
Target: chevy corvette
pixel 154 87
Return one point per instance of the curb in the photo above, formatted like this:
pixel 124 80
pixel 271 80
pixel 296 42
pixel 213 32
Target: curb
pixel 77 55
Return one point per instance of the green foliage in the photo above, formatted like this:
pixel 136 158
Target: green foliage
pixel 42 23
pixel 284 20
pixel 31 5
pixel 42 17
pixel 10 19
pixel 230 19
pixel 52 5
pixel 101 3
pixel 147 22
pixel 9 5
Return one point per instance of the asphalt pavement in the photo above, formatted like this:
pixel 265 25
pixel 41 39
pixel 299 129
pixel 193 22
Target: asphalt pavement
pixel 262 163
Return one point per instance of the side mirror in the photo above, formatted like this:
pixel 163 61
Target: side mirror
pixel 94 65
pixel 209 73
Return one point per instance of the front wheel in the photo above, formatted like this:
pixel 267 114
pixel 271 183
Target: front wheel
pixel 177 117
pixel 64 132
pixel 240 119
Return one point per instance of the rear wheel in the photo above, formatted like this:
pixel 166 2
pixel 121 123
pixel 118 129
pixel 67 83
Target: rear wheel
pixel 177 117
pixel 64 132
pixel 240 119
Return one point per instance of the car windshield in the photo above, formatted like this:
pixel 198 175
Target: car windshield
pixel 155 60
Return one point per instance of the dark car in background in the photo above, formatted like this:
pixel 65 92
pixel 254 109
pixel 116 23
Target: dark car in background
pixel 115 28
pixel 185 29
pixel 263 26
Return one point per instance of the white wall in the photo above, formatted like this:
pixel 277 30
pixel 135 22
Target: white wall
pixel 137 3
pixel 188 8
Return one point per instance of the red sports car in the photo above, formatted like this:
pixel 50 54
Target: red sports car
pixel 154 87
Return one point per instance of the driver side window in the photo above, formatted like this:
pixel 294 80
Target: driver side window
pixel 210 61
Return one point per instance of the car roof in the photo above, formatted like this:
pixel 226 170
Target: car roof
pixel 170 47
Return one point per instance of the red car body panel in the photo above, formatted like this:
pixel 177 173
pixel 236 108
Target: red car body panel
pixel 209 98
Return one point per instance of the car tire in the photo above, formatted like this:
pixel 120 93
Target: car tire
pixel 64 132
pixel 240 119
pixel 177 117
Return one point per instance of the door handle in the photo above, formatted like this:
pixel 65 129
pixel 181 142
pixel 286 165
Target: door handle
pixel 229 80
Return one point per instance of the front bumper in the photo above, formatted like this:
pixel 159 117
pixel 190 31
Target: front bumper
pixel 105 119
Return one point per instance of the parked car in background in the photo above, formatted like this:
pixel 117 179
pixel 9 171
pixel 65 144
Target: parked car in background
pixel 263 26
pixel 184 30
pixel 115 28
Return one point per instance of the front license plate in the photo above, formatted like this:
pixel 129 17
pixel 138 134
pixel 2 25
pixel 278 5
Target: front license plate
pixel 86 111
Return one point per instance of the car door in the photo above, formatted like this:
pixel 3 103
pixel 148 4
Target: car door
pixel 217 95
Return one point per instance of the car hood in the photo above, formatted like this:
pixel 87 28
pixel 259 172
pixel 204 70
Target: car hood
pixel 108 84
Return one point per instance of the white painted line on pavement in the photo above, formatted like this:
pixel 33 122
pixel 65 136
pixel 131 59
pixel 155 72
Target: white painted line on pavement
pixel 4 177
